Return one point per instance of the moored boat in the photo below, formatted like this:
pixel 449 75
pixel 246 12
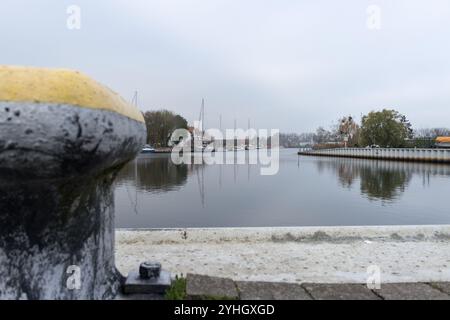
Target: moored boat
pixel 148 149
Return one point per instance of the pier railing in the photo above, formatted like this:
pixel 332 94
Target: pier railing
pixel 402 154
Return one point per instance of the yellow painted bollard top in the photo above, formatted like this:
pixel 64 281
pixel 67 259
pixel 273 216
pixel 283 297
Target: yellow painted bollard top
pixel 42 85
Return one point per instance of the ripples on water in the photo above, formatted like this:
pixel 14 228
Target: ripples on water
pixel 152 192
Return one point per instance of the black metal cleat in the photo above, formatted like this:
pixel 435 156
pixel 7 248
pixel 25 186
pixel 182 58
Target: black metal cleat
pixel 149 269
pixel 150 279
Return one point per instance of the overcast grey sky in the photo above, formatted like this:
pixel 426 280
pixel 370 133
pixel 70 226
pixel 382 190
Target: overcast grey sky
pixel 288 64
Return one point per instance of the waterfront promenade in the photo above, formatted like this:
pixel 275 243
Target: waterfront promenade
pixel 401 154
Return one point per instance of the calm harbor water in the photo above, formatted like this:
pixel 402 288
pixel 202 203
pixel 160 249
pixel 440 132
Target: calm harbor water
pixel 152 192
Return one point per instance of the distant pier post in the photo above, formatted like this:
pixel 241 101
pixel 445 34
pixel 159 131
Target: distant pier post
pixel 63 138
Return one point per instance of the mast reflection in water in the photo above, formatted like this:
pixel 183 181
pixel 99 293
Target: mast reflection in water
pixel 152 192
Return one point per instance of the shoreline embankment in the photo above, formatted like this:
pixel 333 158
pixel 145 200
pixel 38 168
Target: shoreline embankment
pixel 393 154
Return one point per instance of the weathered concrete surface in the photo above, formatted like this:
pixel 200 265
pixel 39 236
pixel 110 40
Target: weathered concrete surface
pixel 410 291
pixel 324 291
pixel 199 286
pixel 249 290
pixel 441 286
pixel 47 227
pixel 63 138
pixel 297 255
pixel 54 141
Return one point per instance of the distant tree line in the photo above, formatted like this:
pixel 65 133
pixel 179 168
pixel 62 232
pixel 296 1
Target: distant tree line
pixel 294 140
pixel 432 133
pixel 385 128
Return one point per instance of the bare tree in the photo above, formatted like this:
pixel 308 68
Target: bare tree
pixel 348 130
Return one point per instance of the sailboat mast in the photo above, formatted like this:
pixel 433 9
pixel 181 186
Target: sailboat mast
pixel 203 116
pixel 134 101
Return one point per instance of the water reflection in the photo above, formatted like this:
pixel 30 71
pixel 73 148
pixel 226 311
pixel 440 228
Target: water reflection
pixel 152 192
pixel 383 184
pixel 154 174
pixel 380 180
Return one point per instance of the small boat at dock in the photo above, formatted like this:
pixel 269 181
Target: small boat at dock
pixel 148 149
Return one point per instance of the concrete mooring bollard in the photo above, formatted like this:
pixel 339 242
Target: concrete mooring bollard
pixel 63 138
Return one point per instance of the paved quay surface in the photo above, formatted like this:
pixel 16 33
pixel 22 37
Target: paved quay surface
pixel 331 255
pixel 199 286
